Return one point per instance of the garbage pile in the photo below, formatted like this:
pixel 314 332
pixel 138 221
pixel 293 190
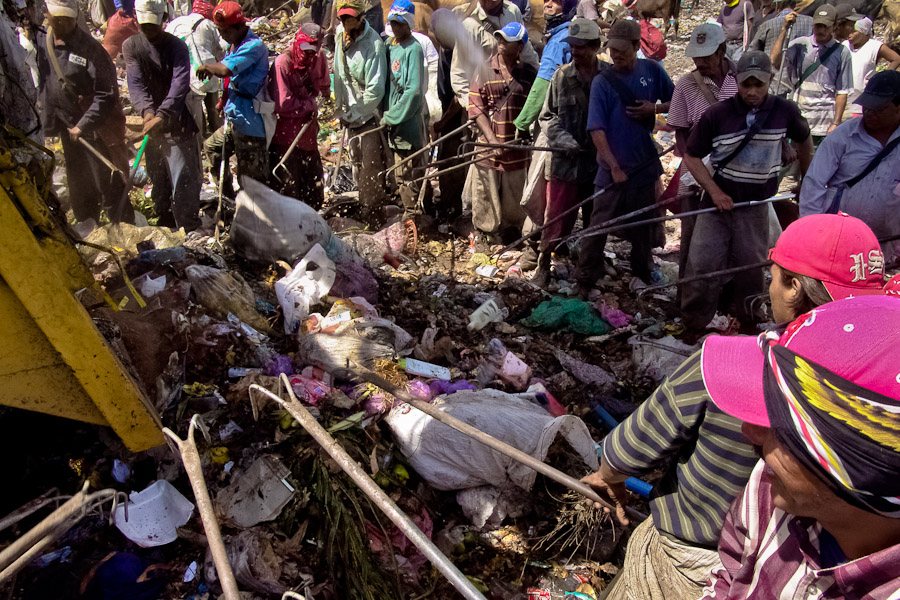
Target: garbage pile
pixel 200 326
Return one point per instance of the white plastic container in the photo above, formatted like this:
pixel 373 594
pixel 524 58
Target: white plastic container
pixel 424 369
pixel 488 312
pixel 154 514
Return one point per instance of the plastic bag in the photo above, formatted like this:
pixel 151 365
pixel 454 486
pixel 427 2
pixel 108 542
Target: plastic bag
pixel 257 495
pixel 306 284
pixel 450 460
pixel 268 227
pixel 223 293
pixel 566 314
pixel 358 341
pixel 254 562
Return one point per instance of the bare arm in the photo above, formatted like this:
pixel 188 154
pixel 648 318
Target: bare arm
pixel 886 53
pixel 695 165
pixel 804 154
pixel 778 48
pixel 840 104
pixel 604 153
pixel 485 126
pixel 216 69
pixel 681 137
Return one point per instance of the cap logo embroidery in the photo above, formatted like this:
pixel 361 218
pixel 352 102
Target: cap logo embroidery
pixel 701 38
pixel 874 264
pixel 574 28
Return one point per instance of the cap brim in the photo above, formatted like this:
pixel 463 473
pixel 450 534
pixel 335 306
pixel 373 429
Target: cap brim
pixel 574 41
pixel 867 100
pixel 620 44
pixel 821 21
pixel 62 11
pixel 855 17
pixel 763 76
pixel 842 292
pixel 348 12
pixel 732 370
pixel 307 46
pixel 148 18
pixel 506 37
pixel 698 51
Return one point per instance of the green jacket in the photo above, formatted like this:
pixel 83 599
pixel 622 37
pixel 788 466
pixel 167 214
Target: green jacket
pixel 404 114
pixel 360 70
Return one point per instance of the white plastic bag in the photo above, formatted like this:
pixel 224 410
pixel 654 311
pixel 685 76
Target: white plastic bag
pixel 306 284
pixel 154 514
pixel 450 460
pixel 268 227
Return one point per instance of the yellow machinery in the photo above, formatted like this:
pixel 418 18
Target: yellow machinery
pixel 52 358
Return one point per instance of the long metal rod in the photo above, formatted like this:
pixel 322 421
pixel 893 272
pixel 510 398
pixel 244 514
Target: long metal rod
pixel 223 167
pixel 337 165
pixel 522 148
pixel 367 132
pixel 488 440
pixel 428 147
pixel 468 163
pixel 48 497
pixel 451 159
pixel 787 39
pixel 293 145
pixel 371 489
pixel 190 456
pixel 104 160
pixel 591 232
pixel 590 198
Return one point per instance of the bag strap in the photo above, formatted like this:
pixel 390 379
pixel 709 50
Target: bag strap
pixel 817 63
pixel 757 126
pixel 63 82
pixel 889 147
pixel 704 87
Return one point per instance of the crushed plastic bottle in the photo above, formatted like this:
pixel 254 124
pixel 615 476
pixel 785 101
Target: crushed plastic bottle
pixel 488 312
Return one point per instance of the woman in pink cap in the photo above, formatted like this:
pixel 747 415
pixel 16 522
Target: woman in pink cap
pixel 703 455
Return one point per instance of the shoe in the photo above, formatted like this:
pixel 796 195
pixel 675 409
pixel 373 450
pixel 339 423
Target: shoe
pixel 529 259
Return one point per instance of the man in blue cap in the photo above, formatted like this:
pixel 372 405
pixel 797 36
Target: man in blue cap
pixel 496 97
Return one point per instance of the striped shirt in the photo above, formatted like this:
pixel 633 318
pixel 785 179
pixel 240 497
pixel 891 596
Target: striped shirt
pixel 767 553
pixel 501 100
pixel 765 37
pixel 752 174
pixel 705 458
pixel 817 94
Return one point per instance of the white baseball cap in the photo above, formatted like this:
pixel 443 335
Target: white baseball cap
pixel 150 11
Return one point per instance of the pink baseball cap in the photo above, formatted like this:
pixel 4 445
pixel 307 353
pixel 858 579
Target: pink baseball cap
pixel 892 287
pixel 855 338
pixel 838 250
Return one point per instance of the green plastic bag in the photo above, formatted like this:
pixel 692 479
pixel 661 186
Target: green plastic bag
pixel 566 314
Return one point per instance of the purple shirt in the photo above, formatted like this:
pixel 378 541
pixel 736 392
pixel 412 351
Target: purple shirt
pixel 767 553
pixel 159 80
pixel 732 20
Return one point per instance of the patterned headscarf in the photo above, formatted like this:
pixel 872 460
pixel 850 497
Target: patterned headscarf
pixel 849 436
pixel 299 58
pixel 203 8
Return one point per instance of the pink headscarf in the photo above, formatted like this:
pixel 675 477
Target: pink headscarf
pixel 203 8
pixel 302 43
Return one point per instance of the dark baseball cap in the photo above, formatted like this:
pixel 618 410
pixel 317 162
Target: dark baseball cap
pixel 583 32
pixel 754 64
pixel 845 12
pixel 824 15
pixel 623 33
pixel 882 89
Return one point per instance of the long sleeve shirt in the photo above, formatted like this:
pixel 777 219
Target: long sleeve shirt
pixel 360 72
pixel 842 155
pixel 705 458
pixel 768 554
pixel 249 66
pixel 406 96
pixel 556 53
pixel 159 80
pixel 93 100
pixel 294 93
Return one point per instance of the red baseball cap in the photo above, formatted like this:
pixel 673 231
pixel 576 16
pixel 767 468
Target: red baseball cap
pixel 229 13
pixel 350 9
pixel 892 287
pixel 838 250
pixel 855 338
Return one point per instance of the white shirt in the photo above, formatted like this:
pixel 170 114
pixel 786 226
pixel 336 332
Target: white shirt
pixel 863 60
pixel 205 46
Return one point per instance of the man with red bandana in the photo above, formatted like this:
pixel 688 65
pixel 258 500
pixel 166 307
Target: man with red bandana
pixel 293 87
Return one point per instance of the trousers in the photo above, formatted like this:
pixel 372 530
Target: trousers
pixel 616 202
pixel 92 186
pixel 561 196
pixel 722 240
pixel 250 151
pixel 367 158
pixel 173 166
pixel 496 198
pixel 303 179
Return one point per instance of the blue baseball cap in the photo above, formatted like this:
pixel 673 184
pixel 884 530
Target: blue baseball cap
pixel 513 32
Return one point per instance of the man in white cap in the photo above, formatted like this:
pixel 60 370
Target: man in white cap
pixel 865 54
pixel 159 80
pixel 712 81
pixel 80 100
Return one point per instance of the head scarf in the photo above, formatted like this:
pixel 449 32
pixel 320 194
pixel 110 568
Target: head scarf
pixel 299 58
pixel 849 436
pixel 203 8
pixel 405 11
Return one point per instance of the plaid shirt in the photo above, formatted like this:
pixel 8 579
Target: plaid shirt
pixel 501 101
pixel 767 553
